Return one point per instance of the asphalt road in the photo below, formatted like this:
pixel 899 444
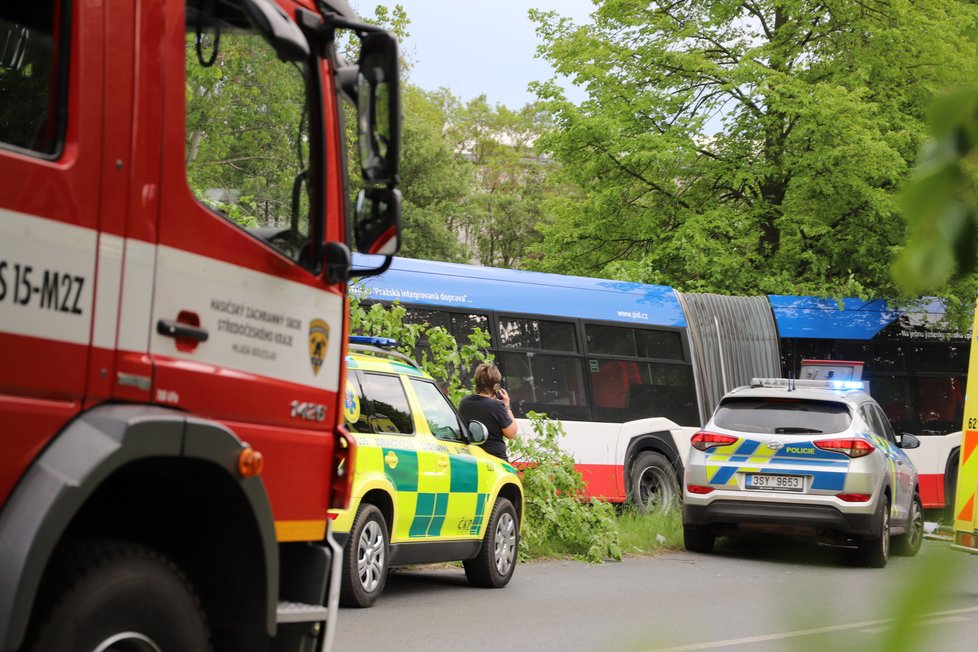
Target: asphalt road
pixel 748 595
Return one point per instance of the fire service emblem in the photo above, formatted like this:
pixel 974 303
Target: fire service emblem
pixel 318 341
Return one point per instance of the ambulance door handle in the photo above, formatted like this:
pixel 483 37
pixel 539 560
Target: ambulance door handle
pixel 442 462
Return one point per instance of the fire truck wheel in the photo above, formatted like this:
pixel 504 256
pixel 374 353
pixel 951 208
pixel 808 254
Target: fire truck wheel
pixel 365 559
pixel 875 551
pixel 652 484
pixel 108 596
pixel 908 544
pixel 494 566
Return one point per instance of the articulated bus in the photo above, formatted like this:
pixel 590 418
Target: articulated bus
pixel 632 370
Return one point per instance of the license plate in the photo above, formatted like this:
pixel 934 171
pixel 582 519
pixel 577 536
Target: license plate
pixel 775 482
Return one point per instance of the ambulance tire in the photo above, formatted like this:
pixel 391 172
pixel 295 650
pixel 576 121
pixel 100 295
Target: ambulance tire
pixel 494 566
pixel 875 551
pixel 652 483
pixel 365 558
pixel 114 595
pixel 908 544
pixel 698 539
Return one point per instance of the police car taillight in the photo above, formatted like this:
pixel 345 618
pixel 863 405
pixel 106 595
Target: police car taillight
pixel 854 447
pixel 706 440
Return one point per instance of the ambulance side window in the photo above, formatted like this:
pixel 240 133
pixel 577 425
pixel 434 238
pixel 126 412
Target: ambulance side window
pixel 33 74
pixel 388 410
pixel 438 412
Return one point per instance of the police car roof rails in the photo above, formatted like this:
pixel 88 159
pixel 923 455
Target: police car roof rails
pixel 792 384
pixel 380 346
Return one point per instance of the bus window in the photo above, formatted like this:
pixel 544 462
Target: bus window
pixel 544 383
pixel 625 390
pixel 539 334
pixel 940 357
pixel 887 357
pixel 940 404
pixel 633 342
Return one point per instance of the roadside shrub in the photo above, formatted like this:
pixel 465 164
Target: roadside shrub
pixel 557 519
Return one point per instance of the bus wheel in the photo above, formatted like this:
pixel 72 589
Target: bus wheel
pixel 652 483
pixel 494 566
pixel 110 596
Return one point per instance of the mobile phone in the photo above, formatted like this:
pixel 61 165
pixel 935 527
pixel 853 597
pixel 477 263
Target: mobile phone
pixel 496 391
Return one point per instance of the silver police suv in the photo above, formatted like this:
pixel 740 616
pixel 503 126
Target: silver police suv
pixel 808 458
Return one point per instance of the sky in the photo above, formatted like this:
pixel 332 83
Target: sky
pixel 476 47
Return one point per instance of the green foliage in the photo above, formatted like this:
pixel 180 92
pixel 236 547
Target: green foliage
pixel 434 348
pixel 557 519
pixel 743 147
pixel 647 533
pixel 941 204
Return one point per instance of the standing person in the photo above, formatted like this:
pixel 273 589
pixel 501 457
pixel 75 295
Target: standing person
pixel 490 405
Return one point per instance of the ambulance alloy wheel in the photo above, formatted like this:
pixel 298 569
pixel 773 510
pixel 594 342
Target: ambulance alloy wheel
pixel 494 566
pixel 113 596
pixel 652 484
pixel 908 544
pixel 875 552
pixel 365 559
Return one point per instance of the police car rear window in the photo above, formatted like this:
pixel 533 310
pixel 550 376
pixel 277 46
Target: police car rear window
pixel 782 416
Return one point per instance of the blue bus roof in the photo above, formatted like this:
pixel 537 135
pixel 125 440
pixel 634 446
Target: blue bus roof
pixel 856 319
pixel 471 287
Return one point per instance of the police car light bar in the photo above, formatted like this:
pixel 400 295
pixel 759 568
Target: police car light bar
pixel 371 340
pixel 790 383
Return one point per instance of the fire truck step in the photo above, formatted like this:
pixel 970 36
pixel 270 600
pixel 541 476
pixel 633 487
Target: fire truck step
pixel 298 612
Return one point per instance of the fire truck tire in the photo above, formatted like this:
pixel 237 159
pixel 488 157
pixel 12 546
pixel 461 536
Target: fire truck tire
pixel 875 551
pixel 652 483
pixel 908 544
pixel 110 595
pixel 365 558
pixel 494 566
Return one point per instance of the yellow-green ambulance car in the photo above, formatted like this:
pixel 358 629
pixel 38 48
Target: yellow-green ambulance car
pixel 423 489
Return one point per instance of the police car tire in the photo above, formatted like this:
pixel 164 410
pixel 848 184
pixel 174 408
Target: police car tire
pixel 698 539
pixel 482 570
pixel 106 594
pixel 654 468
pixel 875 551
pixel 908 544
pixel 352 591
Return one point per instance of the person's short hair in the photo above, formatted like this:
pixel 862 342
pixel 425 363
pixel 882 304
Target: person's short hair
pixel 487 376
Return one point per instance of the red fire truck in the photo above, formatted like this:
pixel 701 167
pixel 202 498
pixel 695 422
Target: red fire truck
pixel 175 239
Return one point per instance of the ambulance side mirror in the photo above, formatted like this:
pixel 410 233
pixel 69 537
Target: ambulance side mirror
pixel 478 433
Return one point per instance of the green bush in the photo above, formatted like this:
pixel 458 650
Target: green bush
pixel 557 520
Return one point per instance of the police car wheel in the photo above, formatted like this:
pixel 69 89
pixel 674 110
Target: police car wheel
pixel 698 539
pixel 908 544
pixel 113 596
pixel 365 559
pixel 875 551
pixel 652 484
pixel 494 566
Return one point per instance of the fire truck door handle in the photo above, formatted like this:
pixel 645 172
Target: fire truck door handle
pixel 180 330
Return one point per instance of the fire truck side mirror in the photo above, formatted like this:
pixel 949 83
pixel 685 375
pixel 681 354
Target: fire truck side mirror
pixel 379 108
pixel 377 221
pixel 276 27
